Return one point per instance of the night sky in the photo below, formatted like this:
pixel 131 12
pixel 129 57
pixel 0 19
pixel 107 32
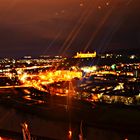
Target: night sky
pixel 63 27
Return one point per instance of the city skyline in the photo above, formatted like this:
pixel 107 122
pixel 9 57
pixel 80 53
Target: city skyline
pixel 64 28
pixel 69 69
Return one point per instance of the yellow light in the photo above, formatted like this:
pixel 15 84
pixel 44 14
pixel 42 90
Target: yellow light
pixel 70 133
pixel 107 3
pixel 89 69
pixel 42 77
pixel 99 7
pixel 81 4
pixel 85 55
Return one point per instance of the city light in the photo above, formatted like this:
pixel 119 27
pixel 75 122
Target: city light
pixel 69 69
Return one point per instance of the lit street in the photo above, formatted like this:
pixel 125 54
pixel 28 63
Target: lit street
pixel 69 70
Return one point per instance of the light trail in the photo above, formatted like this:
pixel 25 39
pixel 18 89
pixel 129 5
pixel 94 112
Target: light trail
pixel 6 87
pixel 98 29
pixel 33 67
pixel 53 41
pixel 75 28
pixel 85 19
pixel 116 22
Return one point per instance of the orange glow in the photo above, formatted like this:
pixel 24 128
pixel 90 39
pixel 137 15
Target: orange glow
pixel 48 77
pixel 70 134
pixel 85 55
pixel 94 98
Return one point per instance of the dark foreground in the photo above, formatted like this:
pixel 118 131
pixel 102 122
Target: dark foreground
pixel 51 117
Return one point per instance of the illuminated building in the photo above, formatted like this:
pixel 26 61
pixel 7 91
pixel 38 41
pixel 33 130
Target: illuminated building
pixel 28 57
pixel 89 69
pixel 85 55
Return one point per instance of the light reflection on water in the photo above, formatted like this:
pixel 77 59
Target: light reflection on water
pixel 10 120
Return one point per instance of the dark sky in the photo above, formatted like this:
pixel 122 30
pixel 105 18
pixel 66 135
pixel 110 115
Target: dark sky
pixel 63 27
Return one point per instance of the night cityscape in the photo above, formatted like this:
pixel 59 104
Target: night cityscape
pixel 69 70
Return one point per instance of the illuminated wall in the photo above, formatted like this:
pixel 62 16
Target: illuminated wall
pixel 85 55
